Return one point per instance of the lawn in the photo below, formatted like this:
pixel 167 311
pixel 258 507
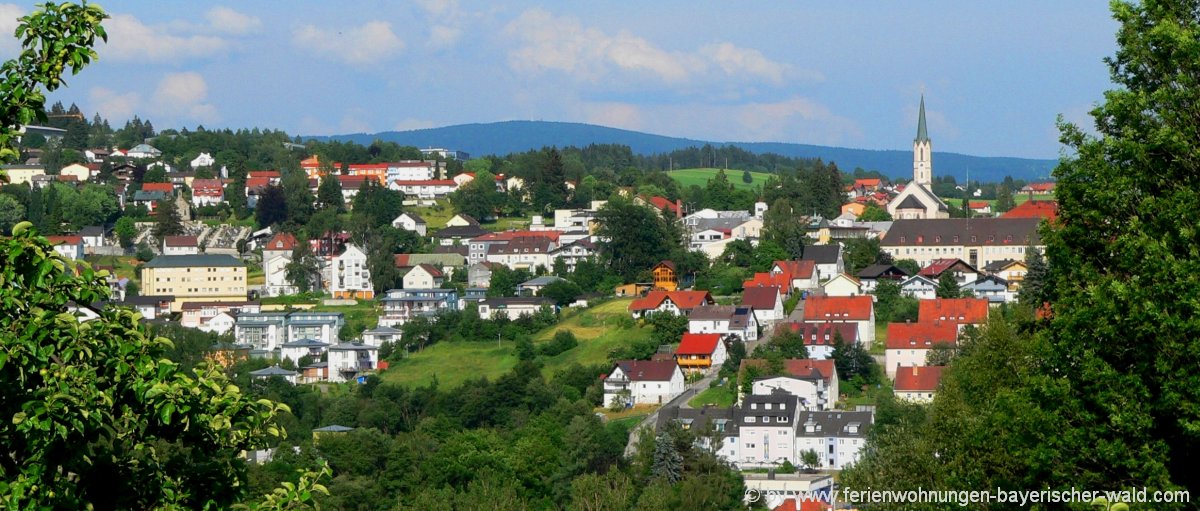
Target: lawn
pixel 435 216
pixel 700 177
pixel 362 316
pixel 455 362
pixel 721 396
pixel 124 267
pixel 880 344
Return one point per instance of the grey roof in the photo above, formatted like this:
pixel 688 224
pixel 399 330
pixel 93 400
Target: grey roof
pixel 147 300
pixel 352 346
pixel 874 271
pixel 783 404
pixel 910 202
pixel 969 231
pixel 384 330
pixel 461 231
pixel 834 423
pixel 194 260
pixel 305 343
pixel 92 230
pixel 272 371
pixel 996 266
pixel 335 428
pixel 821 254
pixel 711 312
pixel 153 196
pixel 415 218
pixel 510 301
pixel 542 281
pixel 698 419
pixel 312 322
pixel 719 223
pixel 989 282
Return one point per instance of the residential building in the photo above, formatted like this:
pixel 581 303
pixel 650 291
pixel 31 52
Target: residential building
pixel 460 235
pixel 423 276
pixel 767 429
pixel 401 305
pixel 917 384
pixel 919 287
pixel 1041 209
pixel 766 302
pixel 977 241
pixel 411 222
pixel 991 288
pixel 149 200
pixel 639 382
pixel 274 372
pixel 665 277
pixel 379 335
pixel 964 311
pixel 276 281
pixel 534 286
pixel 447 262
pixel 480 274
pixel 322 326
pixel 96 155
pixel 523 252
pixel 705 422
pixel 263 332
pixel 180 245
pixel 93 238
pixel 842 284
pixel 150 306
pixel 143 151
pixel 1039 188
pixel 447 154
pixel 856 310
pixel 200 314
pixel 980 207
pixel 203 160
pixel 300 348
pixel 412 170
pixel 674 302
pixel 351 277
pixel 814 382
pixel 191 278
pixel 79 172
pixel 512 307
pixel 909 344
pixel 700 352
pixel 870 276
pixel 574 252
pixel 724 320
pixel 69 247
pixel 1009 270
pixel 220 324
pixel 827 259
pixel 424 189
pixel 803 273
pixel 22 174
pixel 821 338
pixel 377 172
pixel 963 273
pixel 837 436
pixel 348 360
pixel 207 192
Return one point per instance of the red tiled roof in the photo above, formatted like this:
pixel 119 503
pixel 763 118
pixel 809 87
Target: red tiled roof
pixel 779 280
pixel 1047 209
pixel 263 173
pixel 761 297
pixel 799 367
pixel 281 241
pixel 664 203
pixel 401 260
pixel 938 266
pixel 814 334
pixel 921 335
pixel 979 204
pixel 208 187
pixel 959 310
pixel 158 187
pixel 1040 187
pixel 648 370
pixel 257 182
pixel 797 269
pixel 685 300
pixel 867 182
pixel 431 269
pixel 826 308
pixel 367 166
pixel 913 379
pixel 804 505
pixel 181 241
pixel 698 344
pixel 352 182
pixel 65 240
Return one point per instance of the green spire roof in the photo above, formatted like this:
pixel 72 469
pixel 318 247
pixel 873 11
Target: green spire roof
pixel 922 134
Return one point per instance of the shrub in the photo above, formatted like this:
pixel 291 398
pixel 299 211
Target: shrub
pixel 563 341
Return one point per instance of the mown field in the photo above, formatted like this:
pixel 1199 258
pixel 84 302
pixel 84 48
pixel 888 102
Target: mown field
pixel 453 363
pixel 700 177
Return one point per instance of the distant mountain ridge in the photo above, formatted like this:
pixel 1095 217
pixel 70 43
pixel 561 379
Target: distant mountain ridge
pixel 500 138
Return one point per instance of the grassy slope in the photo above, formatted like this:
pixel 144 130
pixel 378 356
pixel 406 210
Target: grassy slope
pixel 700 177
pixel 456 362
pixel 720 396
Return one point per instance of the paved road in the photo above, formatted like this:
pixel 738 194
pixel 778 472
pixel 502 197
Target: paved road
pixel 679 401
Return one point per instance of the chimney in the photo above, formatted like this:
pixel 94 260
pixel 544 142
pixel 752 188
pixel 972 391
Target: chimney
pixel 678 208
pixel 916 369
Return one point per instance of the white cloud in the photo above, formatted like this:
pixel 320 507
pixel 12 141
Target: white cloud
pixel 443 36
pixel 615 115
pixel 546 42
pixel 8 24
pixel 439 7
pixel 224 19
pixel 131 40
pixel 183 95
pixel 367 44
pixel 113 105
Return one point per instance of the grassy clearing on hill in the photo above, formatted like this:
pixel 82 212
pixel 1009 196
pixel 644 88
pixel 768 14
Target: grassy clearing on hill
pixel 721 396
pixel 456 362
pixel 123 267
pixel 362 316
pixel 700 177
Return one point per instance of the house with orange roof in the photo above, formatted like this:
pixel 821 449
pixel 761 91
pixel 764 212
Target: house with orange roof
pixel 665 276
pixel 69 247
pixel 674 302
pixel 856 310
pixel 1039 188
pixel 699 352
pixel 802 273
pixel 207 192
pixel 377 172
pixel 963 273
pixel 965 311
pixel 909 344
pixel 917 384
pixel 1047 209
pixel 802 504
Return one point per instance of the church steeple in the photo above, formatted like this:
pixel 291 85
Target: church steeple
pixel 922 134
pixel 922 151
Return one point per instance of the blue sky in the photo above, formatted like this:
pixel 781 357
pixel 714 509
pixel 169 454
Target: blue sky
pixel 849 74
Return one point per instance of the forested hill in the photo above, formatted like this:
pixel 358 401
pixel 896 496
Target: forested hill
pixel 500 138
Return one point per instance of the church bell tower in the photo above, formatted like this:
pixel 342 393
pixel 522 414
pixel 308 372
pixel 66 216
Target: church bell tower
pixel 922 152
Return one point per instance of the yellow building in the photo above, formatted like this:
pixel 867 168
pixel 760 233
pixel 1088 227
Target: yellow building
pixel 665 277
pixel 195 278
pixel 22 174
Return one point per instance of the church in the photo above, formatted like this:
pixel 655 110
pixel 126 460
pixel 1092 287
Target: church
pixel 917 201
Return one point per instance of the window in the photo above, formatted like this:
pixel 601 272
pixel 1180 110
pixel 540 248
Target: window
pixel 750 419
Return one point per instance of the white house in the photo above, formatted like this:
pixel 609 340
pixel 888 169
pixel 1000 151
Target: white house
pixel 637 382
pixel 69 247
pixel 766 302
pixel 820 338
pixel 346 360
pixel 511 307
pixel 93 237
pixel 207 192
pixel 917 384
pixel 767 429
pixel 299 348
pixel 827 258
pixel 838 437
pixel 842 285
pixel 351 278
pixel 142 151
pixel 276 280
pixel 423 276
pixel 379 335
pixel 273 371
pixel 724 320
pixel 321 326
pixel 909 344
pixel 204 160
pixel 803 273
pixel 919 287
pixel 220 324
pixel 411 222
pixel 411 170
pixel 263 331
pixel 813 393
pixel 424 189
pixel 180 245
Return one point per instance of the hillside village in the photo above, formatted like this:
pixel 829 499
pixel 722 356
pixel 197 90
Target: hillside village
pixel 772 332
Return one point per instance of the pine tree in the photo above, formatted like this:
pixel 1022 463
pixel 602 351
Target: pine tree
pixel 167 221
pixel 329 193
pixel 948 286
pixel 1034 286
pixel 668 463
